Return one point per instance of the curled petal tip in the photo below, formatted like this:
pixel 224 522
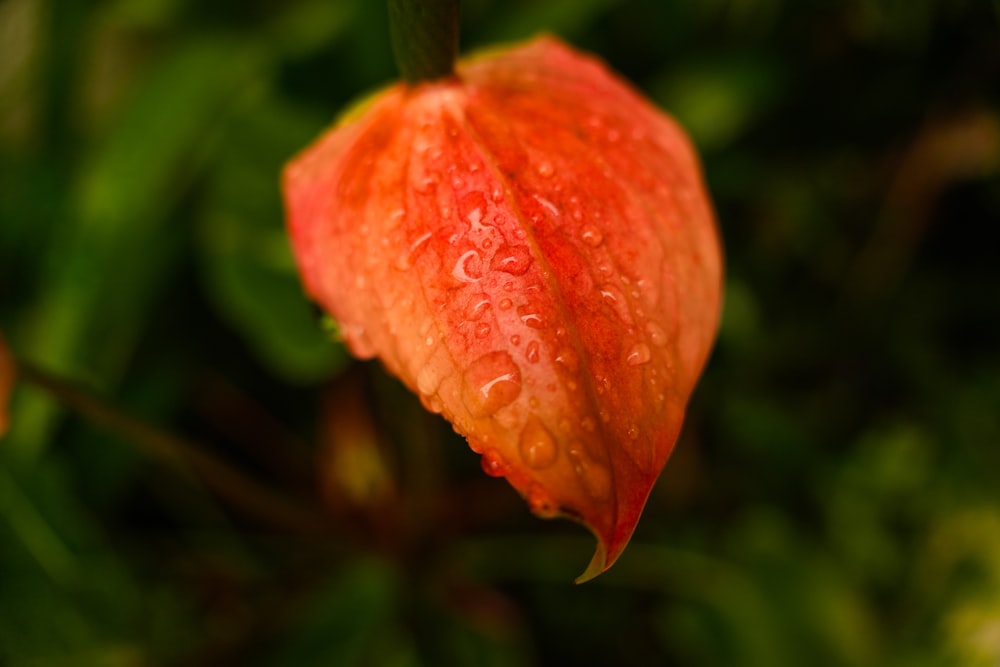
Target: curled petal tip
pixel 598 564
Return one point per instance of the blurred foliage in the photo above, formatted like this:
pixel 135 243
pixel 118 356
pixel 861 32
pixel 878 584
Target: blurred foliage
pixel 833 500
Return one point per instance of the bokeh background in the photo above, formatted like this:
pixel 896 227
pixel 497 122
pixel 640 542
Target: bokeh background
pixel 217 483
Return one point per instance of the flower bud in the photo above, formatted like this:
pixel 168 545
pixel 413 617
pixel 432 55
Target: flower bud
pixel 529 247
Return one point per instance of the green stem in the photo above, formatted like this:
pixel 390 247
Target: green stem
pixel 186 457
pixel 424 38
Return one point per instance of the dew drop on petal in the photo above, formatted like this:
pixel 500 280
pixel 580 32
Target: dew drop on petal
pixel 431 403
pixel 482 330
pixel 613 297
pixel 492 382
pixel 514 260
pixel 515 340
pixel 493 464
pixel 405 260
pixel 592 236
pixel 465 268
pixel 532 316
pixel 505 304
pixel 545 169
pixel 657 336
pixel 568 359
pixel 536 445
pixel 532 352
pixel 478 305
pixel 595 478
pixel 427 380
pixel 540 503
pixel 638 354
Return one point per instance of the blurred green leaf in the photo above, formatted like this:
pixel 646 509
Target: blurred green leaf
pixel 246 257
pixel 310 25
pixel 521 20
pixel 108 262
pixel 351 620
pixel 717 99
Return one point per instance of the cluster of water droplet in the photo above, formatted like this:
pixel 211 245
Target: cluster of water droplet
pixel 501 300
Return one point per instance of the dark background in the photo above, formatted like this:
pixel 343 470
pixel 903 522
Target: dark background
pixel 834 496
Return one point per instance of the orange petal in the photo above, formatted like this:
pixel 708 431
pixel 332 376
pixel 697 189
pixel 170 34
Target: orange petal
pixel 529 247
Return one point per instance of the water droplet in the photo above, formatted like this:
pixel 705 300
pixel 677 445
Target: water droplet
pixel 633 432
pixel 426 185
pixel 493 464
pixel 466 268
pixel 478 305
pixel 545 169
pixel 614 298
pixel 508 286
pixel 471 206
pixel 515 340
pixel 638 354
pixel 536 445
pixel 482 330
pixel 595 478
pixel 531 317
pixel 657 336
pixel 497 194
pixel 405 260
pixel 521 233
pixel 431 403
pixel 592 236
pixel 427 379
pixel 505 304
pixel 532 352
pixel 429 341
pixel 547 205
pixel 487 244
pixel 514 260
pixel 540 503
pixel 491 382
pixel 568 359
pixel 357 339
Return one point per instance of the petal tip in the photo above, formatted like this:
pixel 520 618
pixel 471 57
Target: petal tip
pixel 598 564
